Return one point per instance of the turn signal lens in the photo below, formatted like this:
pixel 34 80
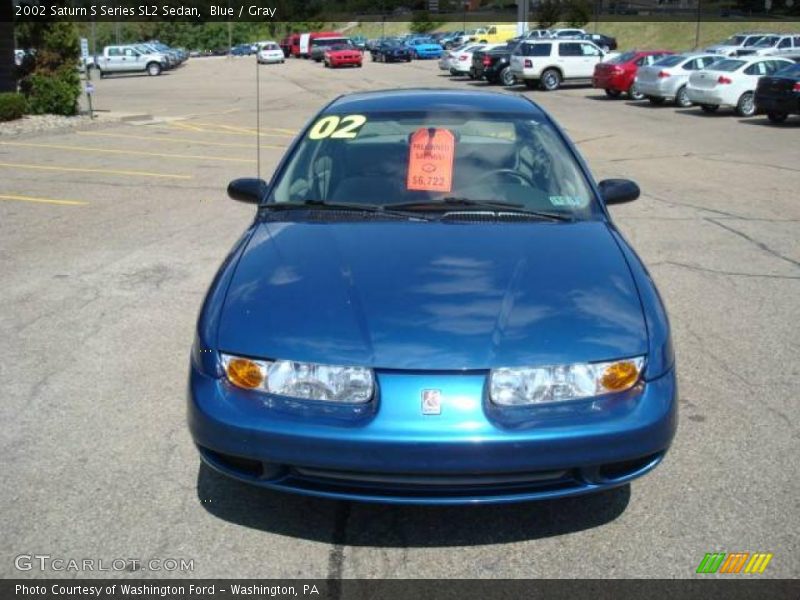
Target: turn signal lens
pixel 663 74
pixel 619 376
pixel 245 373
pixel 723 79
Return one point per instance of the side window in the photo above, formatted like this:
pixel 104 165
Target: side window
pixel 492 30
pixel 113 52
pixel 129 52
pixel 640 61
pixel 569 50
pixel 785 43
pixel 589 50
pixel 797 41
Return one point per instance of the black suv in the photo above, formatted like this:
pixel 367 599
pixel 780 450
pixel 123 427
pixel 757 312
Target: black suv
pixel 494 65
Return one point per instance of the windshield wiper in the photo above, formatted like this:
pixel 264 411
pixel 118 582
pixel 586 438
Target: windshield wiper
pixel 346 206
pixel 493 205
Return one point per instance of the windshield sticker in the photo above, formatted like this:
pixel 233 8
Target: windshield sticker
pixel 566 201
pixel 430 160
pixel 337 128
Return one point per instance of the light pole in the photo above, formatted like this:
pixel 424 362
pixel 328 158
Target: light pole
pixel 697 28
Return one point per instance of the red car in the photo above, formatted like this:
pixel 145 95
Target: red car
pixel 342 55
pixel 616 75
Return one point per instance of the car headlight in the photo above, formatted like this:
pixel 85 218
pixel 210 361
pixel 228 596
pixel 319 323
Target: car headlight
pixel 307 381
pixel 559 383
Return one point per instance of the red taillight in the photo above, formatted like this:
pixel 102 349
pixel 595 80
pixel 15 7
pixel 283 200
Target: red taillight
pixel 796 87
pixel 528 63
pixel 487 61
pixel 663 74
pixel 723 79
pixel 462 57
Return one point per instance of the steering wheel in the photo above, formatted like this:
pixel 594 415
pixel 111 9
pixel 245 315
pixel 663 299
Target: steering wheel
pixel 500 173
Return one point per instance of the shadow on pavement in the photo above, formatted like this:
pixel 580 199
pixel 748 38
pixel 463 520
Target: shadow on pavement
pixel 381 525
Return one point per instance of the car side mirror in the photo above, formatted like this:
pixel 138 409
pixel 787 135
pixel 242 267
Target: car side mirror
pixel 247 189
pixel 618 191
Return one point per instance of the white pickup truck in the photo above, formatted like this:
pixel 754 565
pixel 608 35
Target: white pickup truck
pixel 130 59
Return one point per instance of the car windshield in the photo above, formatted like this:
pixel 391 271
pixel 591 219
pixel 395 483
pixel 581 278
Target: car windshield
pixel 327 42
pixel 270 47
pixel 622 58
pixel 341 47
pixel 751 41
pixel 670 61
pixel 734 40
pixel 387 159
pixel 728 65
pixel 789 71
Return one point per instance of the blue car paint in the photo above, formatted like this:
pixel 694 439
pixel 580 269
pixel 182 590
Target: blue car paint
pixel 421 49
pixel 484 307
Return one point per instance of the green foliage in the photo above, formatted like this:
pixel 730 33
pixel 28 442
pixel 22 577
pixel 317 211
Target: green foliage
pixel 48 75
pixel 548 13
pixel 577 13
pixel 12 106
pixel 421 22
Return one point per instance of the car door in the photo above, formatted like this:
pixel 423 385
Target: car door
pixel 748 80
pixel 590 56
pixel 114 60
pixel 131 60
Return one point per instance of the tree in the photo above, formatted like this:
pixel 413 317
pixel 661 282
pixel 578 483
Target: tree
pixel 421 22
pixel 548 13
pixel 49 75
pixel 577 13
pixel 7 79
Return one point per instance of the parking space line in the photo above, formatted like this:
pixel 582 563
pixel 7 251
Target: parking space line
pixel 42 200
pixel 85 170
pixel 130 152
pixel 231 130
pixel 174 140
pixel 251 130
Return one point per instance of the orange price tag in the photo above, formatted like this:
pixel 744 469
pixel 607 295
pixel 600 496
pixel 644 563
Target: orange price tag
pixel 430 160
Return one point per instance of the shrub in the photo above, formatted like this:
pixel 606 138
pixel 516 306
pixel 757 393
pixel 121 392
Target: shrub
pixel 54 94
pixel 12 106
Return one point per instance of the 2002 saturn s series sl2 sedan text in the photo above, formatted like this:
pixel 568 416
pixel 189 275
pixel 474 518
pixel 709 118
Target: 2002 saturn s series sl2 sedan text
pixel 433 305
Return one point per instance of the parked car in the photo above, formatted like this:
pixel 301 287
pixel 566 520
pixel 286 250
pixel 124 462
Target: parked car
pixel 130 59
pixel 321 44
pixel 423 47
pixel 567 33
pixel 241 50
pixel 665 80
pixel 452 40
pixel 359 41
pixel 287 42
pixel 342 55
pixel 536 34
pixel 617 76
pixel 772 45
pixel 606 43
pixel 462 63
pixel 732 82
pixel 498 33
pixel 390 51
pixel 302 42
pixel 736 42
pixel 269 52
pixel 397 384
pixel 448 56
pixel 547 63
pixel 778 95
pixel 494 65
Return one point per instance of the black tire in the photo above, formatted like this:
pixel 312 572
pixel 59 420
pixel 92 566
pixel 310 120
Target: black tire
pixel 613 93
pixel 327 66
pixel 656 100
pixel 709 108
pixel 634 93
pixel 101 73
pixel 746 107
pixel 153 69
pixel 531 84
pixel 408 59
pixel 682 98
pixel 507 77
pixel 550 81
pixel 777 117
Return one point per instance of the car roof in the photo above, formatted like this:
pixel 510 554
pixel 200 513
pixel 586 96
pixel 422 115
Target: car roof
pixel 432 100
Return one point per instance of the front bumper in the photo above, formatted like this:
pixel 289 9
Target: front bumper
pixel 473 452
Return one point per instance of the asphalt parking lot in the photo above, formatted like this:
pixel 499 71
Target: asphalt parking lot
pixel 110 236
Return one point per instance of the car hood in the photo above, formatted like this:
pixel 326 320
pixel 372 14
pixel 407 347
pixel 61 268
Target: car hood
pixel 410 295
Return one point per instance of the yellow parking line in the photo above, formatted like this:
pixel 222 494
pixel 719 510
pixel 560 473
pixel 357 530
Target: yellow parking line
pixel 172 139
pixel 83 170
pixel 131 152
pixel 42 200
pixel 185 126
pixel 231 130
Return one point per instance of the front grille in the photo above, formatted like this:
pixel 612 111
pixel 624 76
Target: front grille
pixel 403 480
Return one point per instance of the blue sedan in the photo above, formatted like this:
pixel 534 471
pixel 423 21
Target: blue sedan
pixel 433 305
pixel 424 48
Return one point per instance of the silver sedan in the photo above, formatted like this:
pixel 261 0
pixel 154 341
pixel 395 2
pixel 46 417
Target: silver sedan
pixel 665 80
